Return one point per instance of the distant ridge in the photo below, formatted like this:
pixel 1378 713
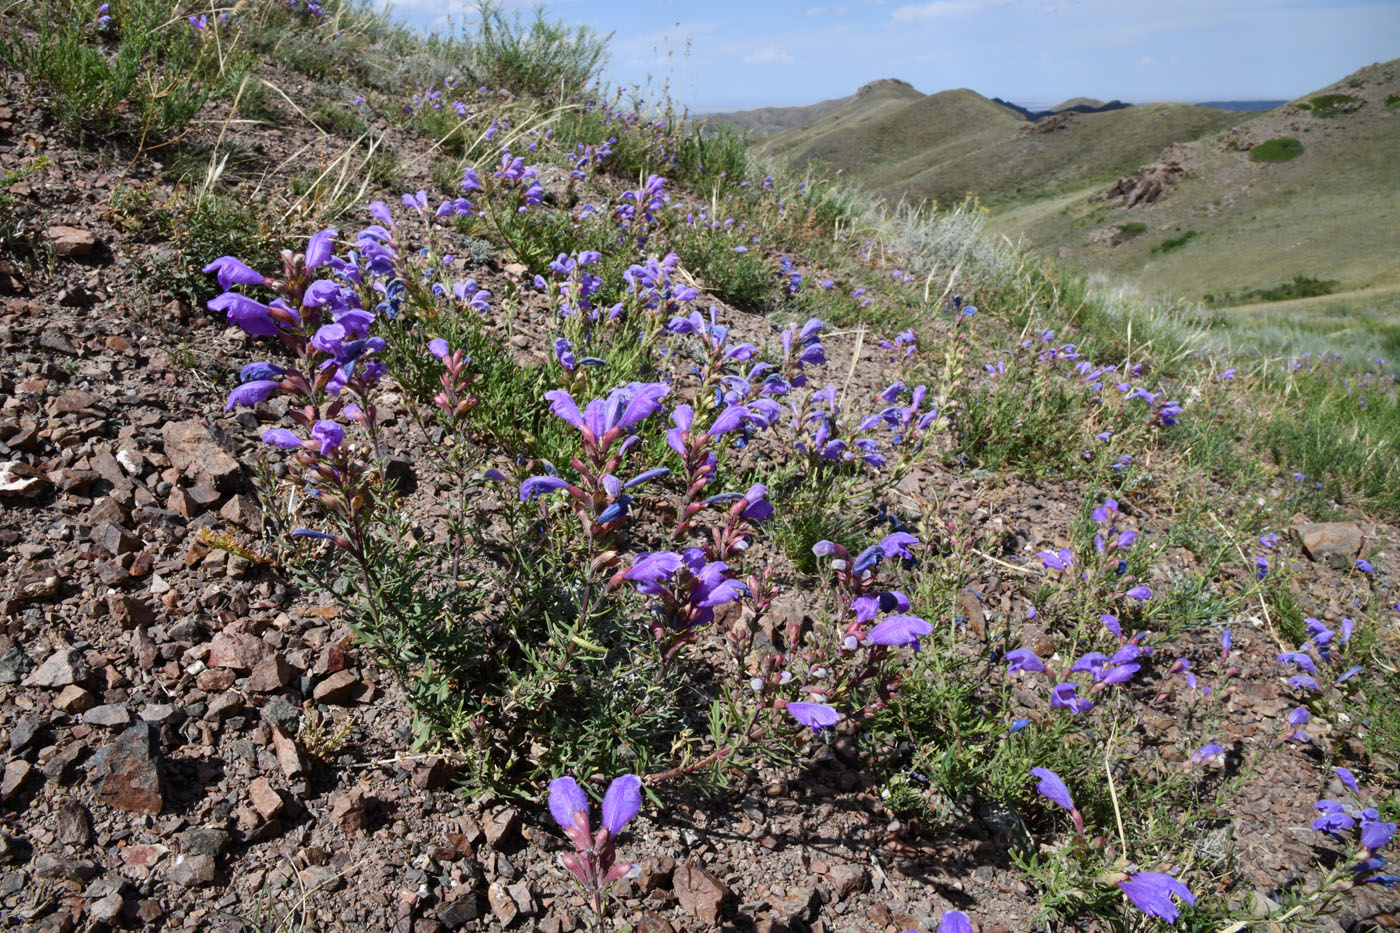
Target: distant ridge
pixel 1077 105
pixel 767 121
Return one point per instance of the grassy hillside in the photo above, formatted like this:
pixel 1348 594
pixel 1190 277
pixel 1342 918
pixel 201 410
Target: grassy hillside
pixel 1329 213
pixel 953 143
pixel 766 121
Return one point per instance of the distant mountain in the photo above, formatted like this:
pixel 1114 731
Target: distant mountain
pixel 766 121
pixel 1077 105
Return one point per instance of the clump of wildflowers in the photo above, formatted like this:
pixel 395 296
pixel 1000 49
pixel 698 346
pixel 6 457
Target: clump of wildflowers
pixel 593 861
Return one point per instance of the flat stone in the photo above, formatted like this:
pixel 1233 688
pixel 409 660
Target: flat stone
pixel 203 840
pixel 338 688
pixel 128 771
pixel 700 893
pixel 238 651
pixel 265 799
pixel 503 906
pixel 1333 543
pixel 191 870
pixel 63 667
pixel 289 757
pixel 191 449
pixel 26 731
pixel 271 673
pixel 74 823
pixel 110 716
pixel 57 868
pixel 71 242
pixel 106 909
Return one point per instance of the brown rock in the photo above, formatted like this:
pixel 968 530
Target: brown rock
pixel 502 826
pixel 191 870
pixel 700 893
pixel 338 688
pixel 109 715
pixel 242 510
pixel 70 402
pixel 795 904
pixel 128 771
pixel 265 799
pixel 289 757
pixel 128 612
pixel 847 879
pixel 191 450
pixel 350 810
pixel 17 773
pixel 272 673
pixel 1334 543
pixel 74 823
pixel 71 242
pixel 502 904
pixel 238 651
pixel 73 699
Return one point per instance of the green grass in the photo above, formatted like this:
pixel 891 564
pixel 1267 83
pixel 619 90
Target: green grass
pixel 1333 105
pixel 1130 230
pixel 1392 101
pixel 1280 149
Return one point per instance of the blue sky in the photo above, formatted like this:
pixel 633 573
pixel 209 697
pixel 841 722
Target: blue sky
pixel 730 54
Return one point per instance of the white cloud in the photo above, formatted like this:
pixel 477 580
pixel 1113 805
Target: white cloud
pixel 767 55
pixel 815 11
pixel 940 8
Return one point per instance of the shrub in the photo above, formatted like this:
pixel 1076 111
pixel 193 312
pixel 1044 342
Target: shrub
pixel 1176 242
pixel 1279 149
pixel 543 59
pixel 1131 229
pixel 1334 105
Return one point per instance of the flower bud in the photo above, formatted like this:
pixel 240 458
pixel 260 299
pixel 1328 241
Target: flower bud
pixel 757 684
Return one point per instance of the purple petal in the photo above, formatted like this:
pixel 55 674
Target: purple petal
pixel 621 802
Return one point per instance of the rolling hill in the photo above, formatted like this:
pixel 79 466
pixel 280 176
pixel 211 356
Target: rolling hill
pixel 1229 219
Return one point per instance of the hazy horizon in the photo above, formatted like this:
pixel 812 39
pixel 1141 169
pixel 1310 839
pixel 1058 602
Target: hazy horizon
pixel 729 55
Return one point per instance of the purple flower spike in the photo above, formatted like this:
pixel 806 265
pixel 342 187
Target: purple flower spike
pixel 954 921
pixel 621 802
pixel 1022 659
pixel 568 805
pixel 899 631
pixel 318 251
pixel 654 567
pixel 1334 817
pixel 1052 788
pixel 1151 892
pixel 898 544
pixel 281 437
pixel 816 715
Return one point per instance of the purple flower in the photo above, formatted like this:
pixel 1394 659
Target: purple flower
pixel 254 317
pixel 318 250
pixel 1299 658
pixel 898 544
pixel 654 567
pixel 621 802
pixel 329 434
pixel 1365 567
pixel 1206 752
pixel 250 393
pixel 438 347
pixel 816 715
pixel 1375 834
pixel 1301 682
pixel 1334 817
pixel 233 272
pixel 1022 659
pixel 1347 675
pixel 1052 560
pixel 899 631
pixel 281 437
pixel 1151 892
pixel 1110 622
pixel 569 806
pixel 1348 780
pixel 1066 696
pixel 954 921
pixel 1139 592
pixel 1052 788
pixel 538 485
